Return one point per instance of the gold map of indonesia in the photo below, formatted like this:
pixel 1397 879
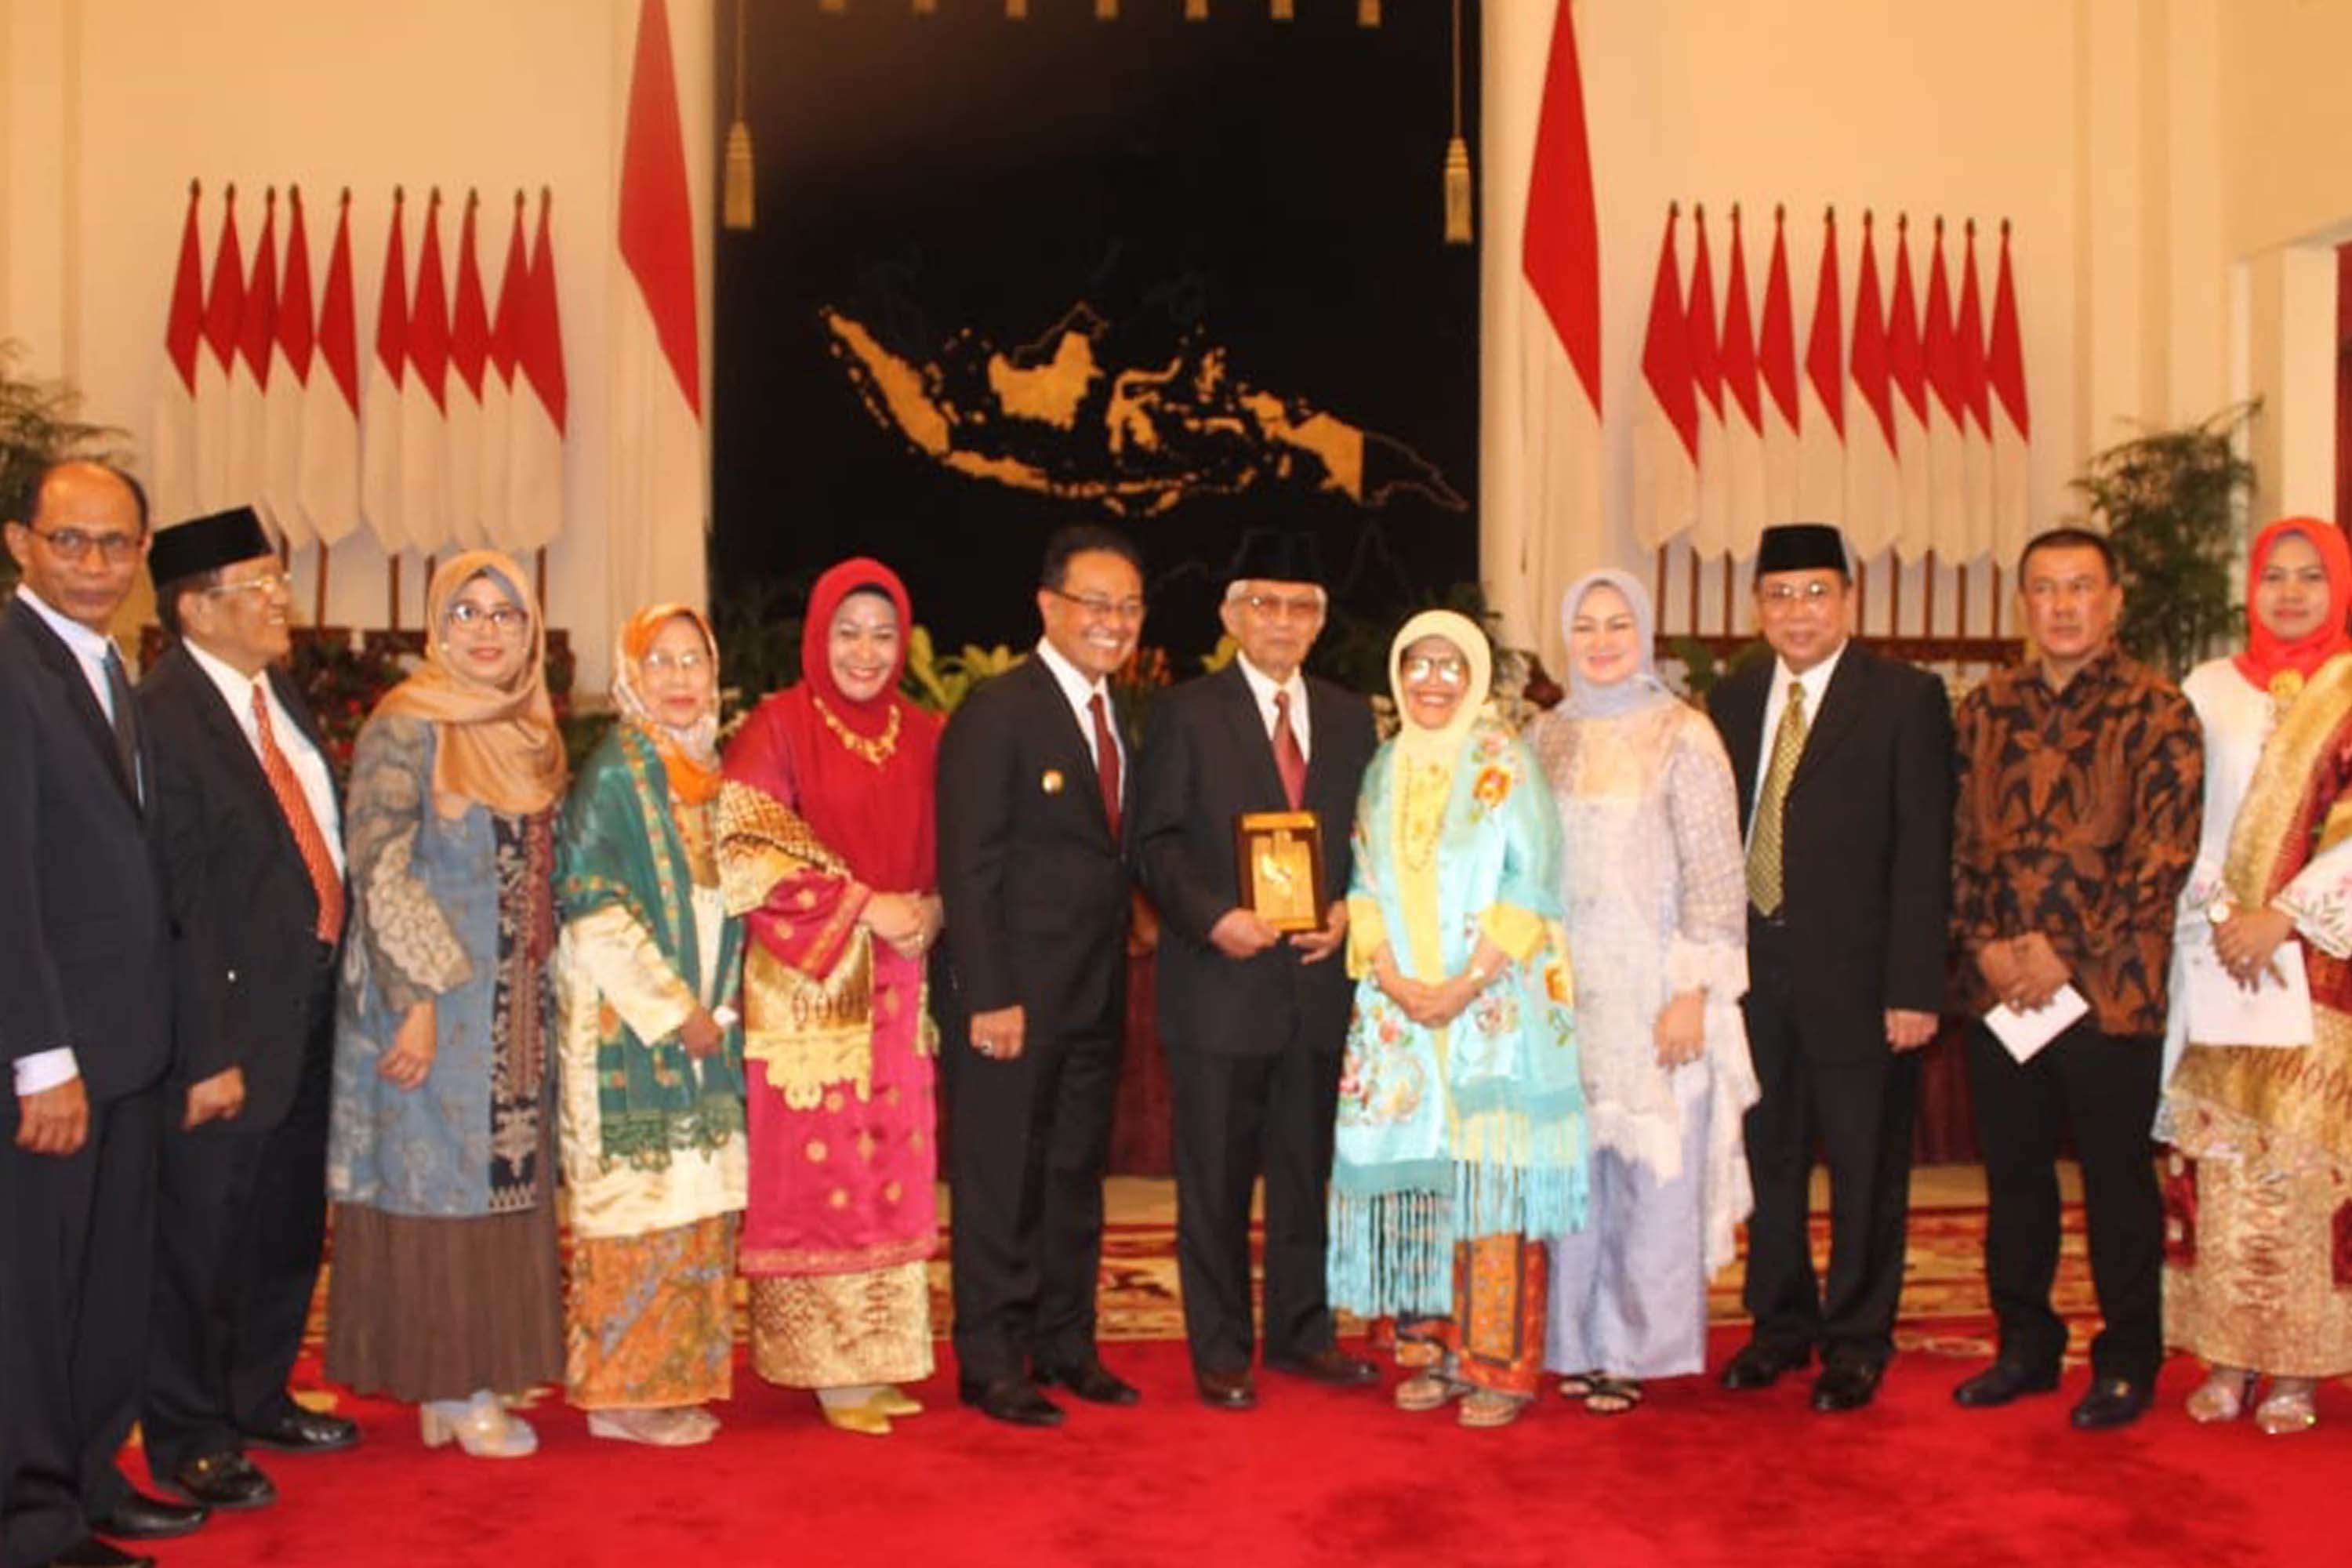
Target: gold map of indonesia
pixel 1052 419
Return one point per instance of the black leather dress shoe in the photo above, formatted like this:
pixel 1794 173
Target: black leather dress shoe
pixel 1846 1385
pixel 1015 1400
pixel 1331 1364
pixel 1762 1365
pixel 1092 1383
pixel 228 1481
pixel 2112 1402
pixel 300 1431
pixel 2001 1383
pixel 90 1552
pixel 1226 1390
pixel 139 1517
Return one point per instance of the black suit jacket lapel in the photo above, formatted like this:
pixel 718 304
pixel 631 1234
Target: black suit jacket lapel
pixel 66 670
pixel 1246 725
pixel 228 738
pixel 1743 728
pixel 1843 706
pixel 1062 729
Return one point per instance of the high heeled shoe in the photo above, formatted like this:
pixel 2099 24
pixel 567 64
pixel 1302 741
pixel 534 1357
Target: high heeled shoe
pixel 668 1429
pixel 894 1401
pixel 862 1419
pixel 2222 1396
pixel 479 1425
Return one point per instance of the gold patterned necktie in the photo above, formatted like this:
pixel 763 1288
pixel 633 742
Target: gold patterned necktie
pixel 1772 806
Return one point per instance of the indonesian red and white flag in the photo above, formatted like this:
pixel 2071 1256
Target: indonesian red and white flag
pixel 289 375
pixel 224 316
pixel 1712 534
pixel 535 451
pixel 331 400
pixel 1947 411
pixel 469 350
pixel 497 391
pixel 1821 439
pixel 1908 369
pixel 1666 425
pixel 1776 367
pixel 425 397
pixel 660 469
pixel 1874 490
pixel 1976 403
pixel 1743 408
pixel 2013 426
pixel 380 495
pixel 1559 361
pixel 171 440
pixel 248 374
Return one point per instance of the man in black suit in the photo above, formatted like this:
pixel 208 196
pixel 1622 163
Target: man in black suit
pixel 1253 1019
pixel 1844 764
pixel 84 1023
pixel 245 804
pixel 1031 798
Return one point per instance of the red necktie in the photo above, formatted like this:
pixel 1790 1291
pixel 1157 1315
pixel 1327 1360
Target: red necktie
pixel 325 880
pixel 1105 761
pixel 1288 759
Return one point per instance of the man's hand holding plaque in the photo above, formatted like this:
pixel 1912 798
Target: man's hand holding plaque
pixel 1278 862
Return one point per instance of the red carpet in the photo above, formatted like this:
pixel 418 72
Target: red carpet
pixel 1698 1477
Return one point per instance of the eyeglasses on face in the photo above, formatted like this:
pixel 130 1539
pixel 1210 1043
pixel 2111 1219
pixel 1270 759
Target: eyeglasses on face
pixel 505 619
pixel 691 662
pixel 1784 596
pixel 75 544
pixel 1101 608
pixel 1294 606
pixel 268 582
pixel 1445 668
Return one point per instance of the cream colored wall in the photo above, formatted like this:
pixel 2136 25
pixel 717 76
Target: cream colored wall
pixel 108 107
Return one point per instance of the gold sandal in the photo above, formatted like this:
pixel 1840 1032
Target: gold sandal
pixel 2289 1409
pixel 1483 1407
pixel 1428 1391
pixel 2222 1396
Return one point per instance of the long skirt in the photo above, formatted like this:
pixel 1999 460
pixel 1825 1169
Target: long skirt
pixel 1629 1290
pixel 439 1309
pixel 1494 1336
pixel 2258 1264
pixel 652 1318
pixel 837 1330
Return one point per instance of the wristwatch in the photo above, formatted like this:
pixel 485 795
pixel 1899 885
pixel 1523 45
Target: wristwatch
pixel 2221 911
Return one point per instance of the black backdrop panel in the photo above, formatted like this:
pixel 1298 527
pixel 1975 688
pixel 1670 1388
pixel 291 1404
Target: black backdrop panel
pixel 1187 277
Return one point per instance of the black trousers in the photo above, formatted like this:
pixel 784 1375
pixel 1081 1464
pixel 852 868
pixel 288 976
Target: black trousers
pixel 1030 1139
pixel 240 1225
pixel 1859 1101
pixel 76 1357
pixel 1234 1116
pixel 2102 1088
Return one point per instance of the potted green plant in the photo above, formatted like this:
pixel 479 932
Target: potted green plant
pixel 38 427
pixel 2170 502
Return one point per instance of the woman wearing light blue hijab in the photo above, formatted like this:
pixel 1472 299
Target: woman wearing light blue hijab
pixel 1654 901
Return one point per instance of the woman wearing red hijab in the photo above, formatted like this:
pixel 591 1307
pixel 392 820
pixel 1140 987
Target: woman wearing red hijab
pixel 826 845
pixel 2256 1259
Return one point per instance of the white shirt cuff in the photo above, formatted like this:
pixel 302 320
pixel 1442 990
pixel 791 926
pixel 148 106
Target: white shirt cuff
pixel 45 1069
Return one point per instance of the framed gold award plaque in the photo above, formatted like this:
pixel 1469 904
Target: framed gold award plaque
pixel 1278 858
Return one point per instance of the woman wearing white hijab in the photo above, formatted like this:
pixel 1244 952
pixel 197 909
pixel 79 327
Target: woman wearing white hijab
pixel 1654 898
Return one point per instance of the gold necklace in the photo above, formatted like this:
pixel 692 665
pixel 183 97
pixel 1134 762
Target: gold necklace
pixel 875 748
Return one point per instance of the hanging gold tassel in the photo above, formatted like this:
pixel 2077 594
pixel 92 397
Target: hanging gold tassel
pixel 1458 226
pixel 1016 10
pixel 736 206
pixel 1284 10
pixel 1196 10
pixel 1106 10
pixel 1368 13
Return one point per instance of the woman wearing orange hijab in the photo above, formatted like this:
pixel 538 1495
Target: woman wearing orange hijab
pixel 446 1287
pixel 2256 1261
pixel 648 974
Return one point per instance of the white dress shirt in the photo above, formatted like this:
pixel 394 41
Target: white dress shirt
pixel 1816 682
pixel 1263 690
pixel 310 768
pixel 47 1068
pixel 1080 689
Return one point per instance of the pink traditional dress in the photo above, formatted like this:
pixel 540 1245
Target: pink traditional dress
pixel 827 803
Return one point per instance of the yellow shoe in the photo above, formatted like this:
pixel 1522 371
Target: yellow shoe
pixel 894 1401
pixel 862 1419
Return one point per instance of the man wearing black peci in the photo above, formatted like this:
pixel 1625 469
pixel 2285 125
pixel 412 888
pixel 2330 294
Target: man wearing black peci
pixel 1253 1019
pixel 251 832
pixel 1844 765
pixel 85 1025
pixel 1031 796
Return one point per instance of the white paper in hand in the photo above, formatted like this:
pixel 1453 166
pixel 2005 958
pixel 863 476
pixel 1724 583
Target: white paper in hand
pixel 2023 1034
pixel 2223 1013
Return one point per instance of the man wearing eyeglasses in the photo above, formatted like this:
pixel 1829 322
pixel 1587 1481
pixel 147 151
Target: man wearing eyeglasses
pixel 254 843
pixel 84 1023
pixel 1253 1017
pixel 1032 873
pixel 1844 765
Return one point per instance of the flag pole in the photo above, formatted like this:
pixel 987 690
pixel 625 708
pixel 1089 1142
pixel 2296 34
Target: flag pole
pixel 540 584
pixel 319 595
pixel 1927 592
pixel 391 577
